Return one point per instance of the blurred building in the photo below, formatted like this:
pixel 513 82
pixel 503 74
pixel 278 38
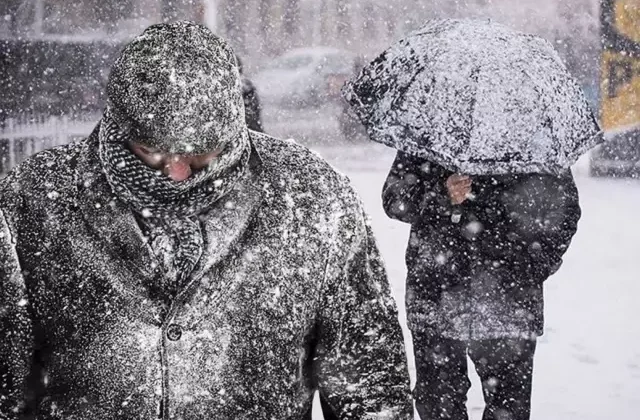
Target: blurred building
pixel 264 28
pixel 88 20
pixel 56 54
pixel 269 27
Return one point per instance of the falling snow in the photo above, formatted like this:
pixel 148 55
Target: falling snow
pixel 258 282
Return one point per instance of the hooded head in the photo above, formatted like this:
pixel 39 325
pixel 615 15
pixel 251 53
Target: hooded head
pixel 177 88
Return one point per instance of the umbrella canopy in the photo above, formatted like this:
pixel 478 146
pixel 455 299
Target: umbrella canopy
pixel 476 98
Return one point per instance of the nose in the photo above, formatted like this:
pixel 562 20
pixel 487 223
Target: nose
pixel 178 168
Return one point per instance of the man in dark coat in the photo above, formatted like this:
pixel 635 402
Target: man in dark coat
pixel 479 251
pixel 176 265
pixel 252 106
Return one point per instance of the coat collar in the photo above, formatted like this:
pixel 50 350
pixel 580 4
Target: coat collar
pixel 113 223
pixel 229 219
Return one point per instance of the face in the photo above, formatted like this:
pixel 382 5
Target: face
pixel 176 167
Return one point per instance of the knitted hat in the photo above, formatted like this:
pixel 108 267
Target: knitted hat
pixel 177 88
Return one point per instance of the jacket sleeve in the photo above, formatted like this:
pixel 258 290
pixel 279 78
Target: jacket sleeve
pixel 360 362
pixel 415 191
pixel 542 214
pixel 16 341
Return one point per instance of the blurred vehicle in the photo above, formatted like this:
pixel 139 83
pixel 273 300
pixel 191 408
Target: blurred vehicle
pixel 619 92
pixel 618 156
pixel 305 77
pixel 350 126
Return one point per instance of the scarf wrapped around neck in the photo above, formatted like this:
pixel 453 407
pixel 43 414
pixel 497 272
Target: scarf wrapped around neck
pixel 151 193
pixel 168 210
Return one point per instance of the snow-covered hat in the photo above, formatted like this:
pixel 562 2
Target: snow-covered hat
pixel 176 87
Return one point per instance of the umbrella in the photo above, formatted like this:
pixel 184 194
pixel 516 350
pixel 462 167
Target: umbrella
pixel 476 98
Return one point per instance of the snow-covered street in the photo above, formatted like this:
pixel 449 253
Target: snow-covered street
pixel 588 362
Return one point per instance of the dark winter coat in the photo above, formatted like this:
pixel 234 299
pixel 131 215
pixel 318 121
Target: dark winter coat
pixel 290 296
pixel 252 106
pixel 476 271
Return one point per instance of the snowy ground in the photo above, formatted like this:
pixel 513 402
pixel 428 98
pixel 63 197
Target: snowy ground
pixel 588 363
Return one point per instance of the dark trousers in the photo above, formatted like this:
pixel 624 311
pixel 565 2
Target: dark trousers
pixel 505 367
pixel 327 412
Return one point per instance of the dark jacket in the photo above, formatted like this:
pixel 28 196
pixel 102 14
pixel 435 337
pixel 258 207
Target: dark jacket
pixel 290 296
pixel 252 106
pixel 475 271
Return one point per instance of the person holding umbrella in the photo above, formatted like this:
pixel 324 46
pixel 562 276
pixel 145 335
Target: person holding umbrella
pixel 487 123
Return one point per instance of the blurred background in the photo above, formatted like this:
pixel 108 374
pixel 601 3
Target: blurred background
pixel 55 55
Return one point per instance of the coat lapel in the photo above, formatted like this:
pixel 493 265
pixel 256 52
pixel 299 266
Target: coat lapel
pixel 110 221
pixel 224 224
pixel 113 224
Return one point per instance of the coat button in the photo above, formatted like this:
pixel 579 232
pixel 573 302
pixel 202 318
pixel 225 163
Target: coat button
pixel 174 332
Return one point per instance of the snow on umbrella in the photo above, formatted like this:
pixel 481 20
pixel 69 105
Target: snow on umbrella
pixel 477 98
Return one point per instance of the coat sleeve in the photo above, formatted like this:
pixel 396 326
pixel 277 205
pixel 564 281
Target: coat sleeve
pixel 415 191
pixel 360 362
pixel 542 214
pixel 16 344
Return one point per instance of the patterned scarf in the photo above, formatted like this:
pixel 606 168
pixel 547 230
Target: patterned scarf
pixel 168 210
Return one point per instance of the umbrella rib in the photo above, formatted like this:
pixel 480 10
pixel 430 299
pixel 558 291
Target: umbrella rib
pixel 404 88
